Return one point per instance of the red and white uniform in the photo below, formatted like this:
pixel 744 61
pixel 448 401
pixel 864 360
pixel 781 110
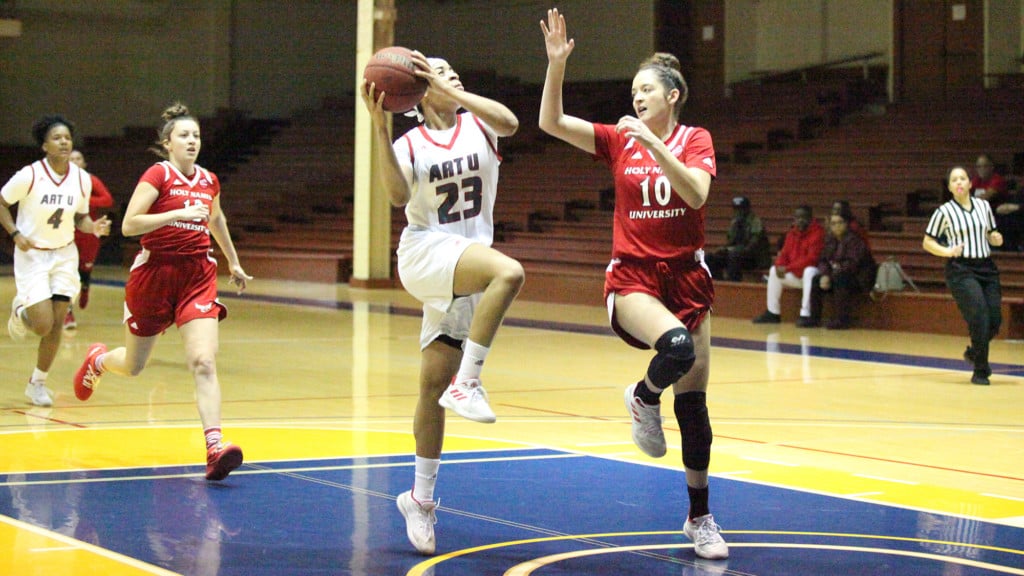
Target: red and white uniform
pixel 47 204
pixel 454 186
pixel 89 244
pixel 658 240
pixel 178 191
pixel 174 277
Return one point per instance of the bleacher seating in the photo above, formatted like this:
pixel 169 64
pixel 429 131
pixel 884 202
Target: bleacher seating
pixel 290 203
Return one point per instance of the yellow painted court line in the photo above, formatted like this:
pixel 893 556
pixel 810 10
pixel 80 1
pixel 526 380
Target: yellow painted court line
pixel 527 568
pixel 35 550
pixel 423 568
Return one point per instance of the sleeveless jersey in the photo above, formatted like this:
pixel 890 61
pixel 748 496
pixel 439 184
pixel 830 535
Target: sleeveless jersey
pixel 651 221
pixel 177 191
pixel 48 202
pixel 455 177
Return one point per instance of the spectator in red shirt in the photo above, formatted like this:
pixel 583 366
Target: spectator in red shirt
pixel 795 267
pixel 987 184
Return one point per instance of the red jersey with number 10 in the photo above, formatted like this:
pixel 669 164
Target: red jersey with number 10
pixel 177 191
pixel 651 221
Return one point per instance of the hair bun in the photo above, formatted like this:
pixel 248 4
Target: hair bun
pixel 175 111
pixel 662 59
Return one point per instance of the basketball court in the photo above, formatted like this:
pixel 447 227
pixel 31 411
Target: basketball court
pixel 853 452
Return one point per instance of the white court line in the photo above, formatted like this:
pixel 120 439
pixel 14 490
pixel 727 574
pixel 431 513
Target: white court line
pixel 883 479
pixel 292 470
pixel 1001 497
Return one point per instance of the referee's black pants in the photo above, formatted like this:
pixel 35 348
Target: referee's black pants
pixel 974 283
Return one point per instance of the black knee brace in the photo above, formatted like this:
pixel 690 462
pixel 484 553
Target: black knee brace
pixel 692 415
pixel 675 357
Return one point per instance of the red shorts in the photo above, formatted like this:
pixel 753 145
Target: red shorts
pixel 683 286
pixel 165 289
pixel 88 249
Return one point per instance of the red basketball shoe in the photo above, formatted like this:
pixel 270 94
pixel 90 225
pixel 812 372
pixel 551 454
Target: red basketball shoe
pixel 221 459
pixel 88 376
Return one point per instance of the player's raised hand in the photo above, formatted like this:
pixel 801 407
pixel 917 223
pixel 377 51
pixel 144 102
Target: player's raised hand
pixel 555 37
pixel 374 101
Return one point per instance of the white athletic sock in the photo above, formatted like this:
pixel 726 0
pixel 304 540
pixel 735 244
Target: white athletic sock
pixel 38 376
pixel 473 356
pixel 426 478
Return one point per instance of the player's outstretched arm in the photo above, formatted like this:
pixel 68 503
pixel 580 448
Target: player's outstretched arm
pixel 495 114
pixel 553 118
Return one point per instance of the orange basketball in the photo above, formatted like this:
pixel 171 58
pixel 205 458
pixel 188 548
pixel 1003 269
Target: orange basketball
pixel 392 71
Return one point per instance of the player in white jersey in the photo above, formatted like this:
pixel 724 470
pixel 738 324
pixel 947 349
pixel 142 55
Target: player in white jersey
pixel 445 173
pixel 52 195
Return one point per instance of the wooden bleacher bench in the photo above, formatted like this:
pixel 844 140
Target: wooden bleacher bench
pixel 934 313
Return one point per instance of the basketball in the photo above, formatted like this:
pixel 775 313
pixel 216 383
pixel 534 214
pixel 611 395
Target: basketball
pixel 391 70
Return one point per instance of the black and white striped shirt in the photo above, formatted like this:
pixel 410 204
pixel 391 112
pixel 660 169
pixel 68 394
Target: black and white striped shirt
pixel 951 224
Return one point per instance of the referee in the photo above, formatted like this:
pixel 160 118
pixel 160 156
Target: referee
pixel 963 230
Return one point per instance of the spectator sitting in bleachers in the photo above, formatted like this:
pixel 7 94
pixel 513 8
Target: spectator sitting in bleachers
pixel 842 207
pixel 845 268
pixel 1010 221
pixel 988 184
pixel 746 245
pixel 795 268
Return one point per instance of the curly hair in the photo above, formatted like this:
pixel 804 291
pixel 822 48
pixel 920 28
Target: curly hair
pixel 42 127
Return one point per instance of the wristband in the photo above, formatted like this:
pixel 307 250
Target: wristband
pixel 15 233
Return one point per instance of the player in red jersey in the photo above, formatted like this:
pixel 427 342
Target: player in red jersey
pixel 659 291
pixel 176 208
pixel 88 244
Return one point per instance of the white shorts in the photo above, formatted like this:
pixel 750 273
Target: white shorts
pixel 426 266
pixel 41 274
pixel 454 323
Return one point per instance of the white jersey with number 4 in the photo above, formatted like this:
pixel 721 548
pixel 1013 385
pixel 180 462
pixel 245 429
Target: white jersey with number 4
pixel 47 202
pixel 455 177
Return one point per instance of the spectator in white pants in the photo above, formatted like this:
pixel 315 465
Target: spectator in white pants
pixel 795 268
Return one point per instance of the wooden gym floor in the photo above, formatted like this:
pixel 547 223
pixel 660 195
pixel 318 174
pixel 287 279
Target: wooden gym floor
pixel 857 452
